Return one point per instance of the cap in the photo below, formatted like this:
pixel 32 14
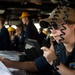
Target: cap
pixel 11 29
pixel 24 14
pixel 71 16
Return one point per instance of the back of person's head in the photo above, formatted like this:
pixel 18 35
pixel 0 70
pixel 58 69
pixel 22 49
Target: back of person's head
pixel 11 29
pixel 20 26
pixel 2 18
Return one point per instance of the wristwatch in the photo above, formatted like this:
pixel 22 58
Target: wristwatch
pixel 55 64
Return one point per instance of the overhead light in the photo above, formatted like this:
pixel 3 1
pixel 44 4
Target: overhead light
pixel 25 3
pixel 14 26
pixel 2 11
pixel 38 3
pixel 33 9
pixel 54 1
pixel 6 26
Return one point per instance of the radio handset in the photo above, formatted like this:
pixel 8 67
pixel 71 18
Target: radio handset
pixel 46 41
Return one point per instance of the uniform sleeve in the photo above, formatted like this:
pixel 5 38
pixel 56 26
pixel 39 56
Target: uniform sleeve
pixel 42 64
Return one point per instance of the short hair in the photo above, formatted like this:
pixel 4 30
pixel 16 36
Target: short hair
pixel 2 18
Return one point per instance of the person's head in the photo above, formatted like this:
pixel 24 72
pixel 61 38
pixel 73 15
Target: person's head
pixel 19 28
pixel 11 31
pixel 68 29
pixel 25 17
pixel 2 19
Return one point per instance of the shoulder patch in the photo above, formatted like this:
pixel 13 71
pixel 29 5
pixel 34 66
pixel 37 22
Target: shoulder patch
pixel 72 65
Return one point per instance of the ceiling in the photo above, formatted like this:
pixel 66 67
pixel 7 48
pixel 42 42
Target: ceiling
pixel 36 8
